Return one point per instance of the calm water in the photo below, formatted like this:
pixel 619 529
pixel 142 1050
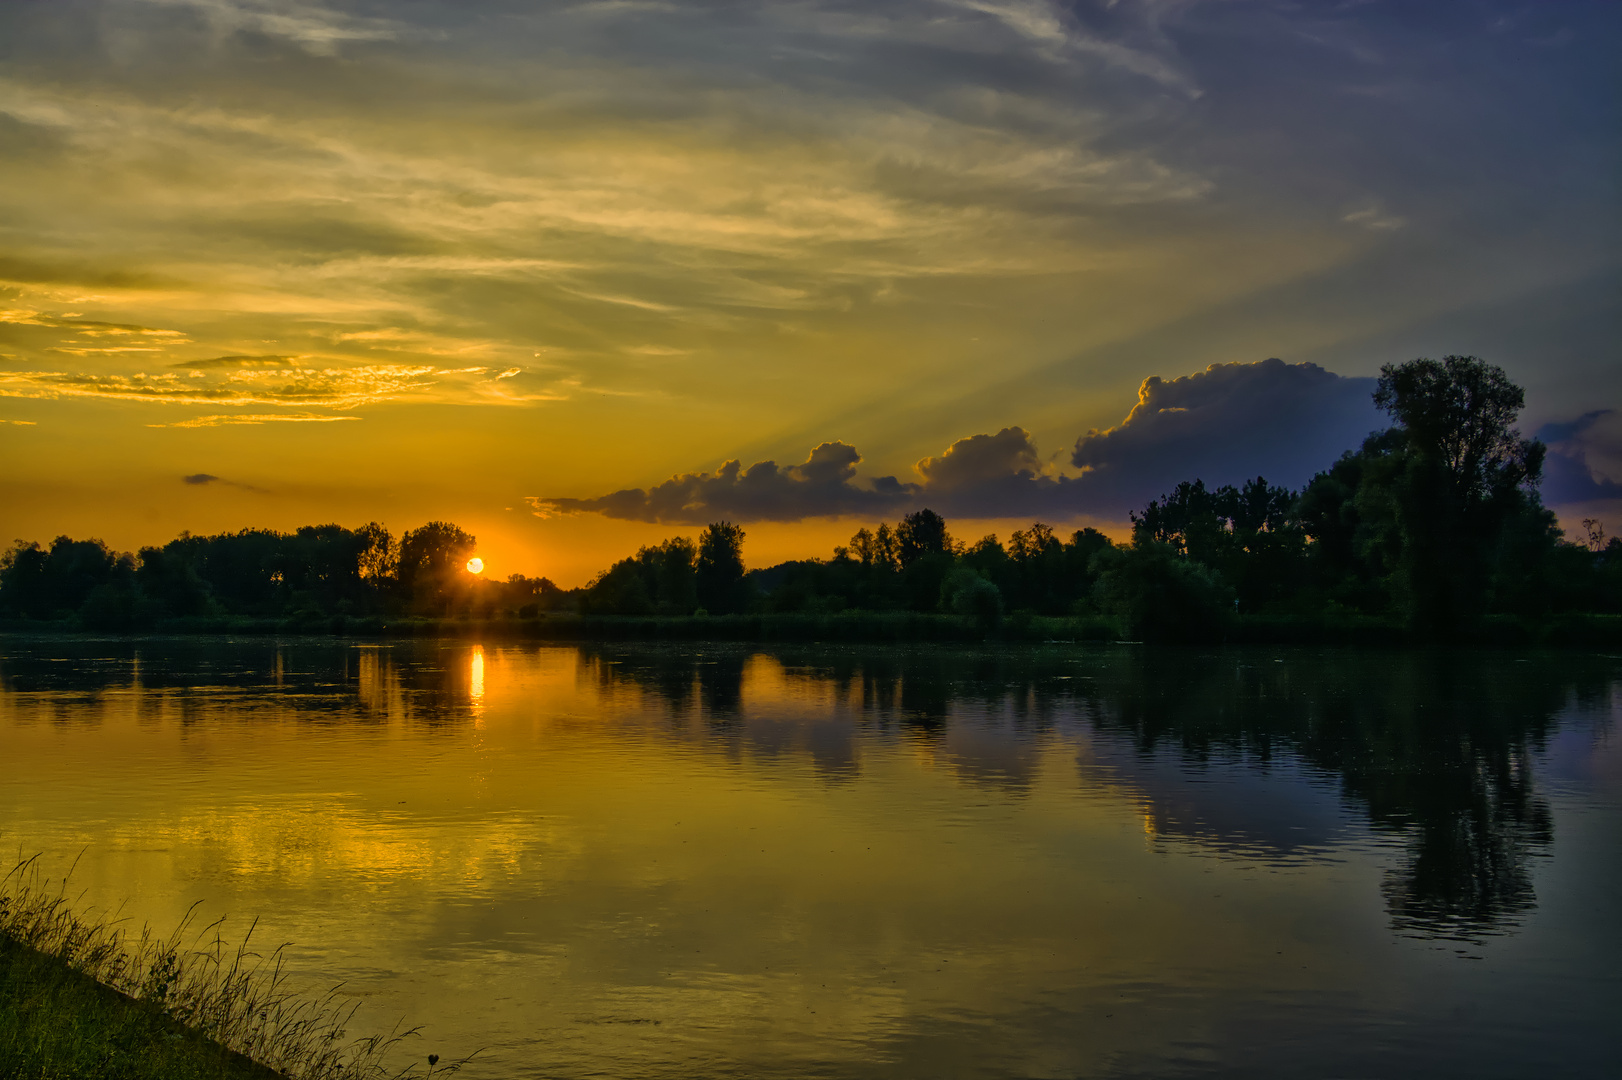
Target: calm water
pixel 712 861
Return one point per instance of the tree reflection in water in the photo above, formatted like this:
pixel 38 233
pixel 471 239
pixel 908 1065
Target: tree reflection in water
pixel 1433 749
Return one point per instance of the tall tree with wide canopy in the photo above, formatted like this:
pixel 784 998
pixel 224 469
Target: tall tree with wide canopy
pixel 1462 483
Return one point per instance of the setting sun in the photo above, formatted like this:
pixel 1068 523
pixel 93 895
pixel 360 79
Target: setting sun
pixel 475 565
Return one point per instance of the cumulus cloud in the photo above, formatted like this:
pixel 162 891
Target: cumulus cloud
pixel 1227 424
pixel 824 485
pixel 996 476
pixel 1580 452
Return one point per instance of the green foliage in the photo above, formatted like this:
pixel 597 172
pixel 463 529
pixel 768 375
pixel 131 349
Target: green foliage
pixel 1159 595
pixel 967 594
pixel 82 996
pixel 1250 535
pixel 56 1022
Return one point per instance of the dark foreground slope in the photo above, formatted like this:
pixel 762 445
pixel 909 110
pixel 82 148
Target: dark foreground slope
pixel 59 1023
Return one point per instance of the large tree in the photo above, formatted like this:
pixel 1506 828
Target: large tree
pixel 433 565
pixel 719 569
pixel 1459 413
pixel 1461 483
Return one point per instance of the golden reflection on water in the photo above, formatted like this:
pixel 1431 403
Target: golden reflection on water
pixel 475 678
pixel 690 861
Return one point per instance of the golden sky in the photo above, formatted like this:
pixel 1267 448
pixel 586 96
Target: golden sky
pixel 356 260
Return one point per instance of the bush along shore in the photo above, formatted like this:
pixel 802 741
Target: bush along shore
pixel 83 998
pixel 1432 531
pixel 1569 630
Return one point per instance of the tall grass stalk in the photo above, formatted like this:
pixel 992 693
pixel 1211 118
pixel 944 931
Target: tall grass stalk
pixel 230 994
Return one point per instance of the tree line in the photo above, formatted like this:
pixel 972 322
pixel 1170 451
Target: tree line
pixel 309 576
pixel 1430 526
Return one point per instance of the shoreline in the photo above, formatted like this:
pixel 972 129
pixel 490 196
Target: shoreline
pixel 58 1021
pixel 1581 630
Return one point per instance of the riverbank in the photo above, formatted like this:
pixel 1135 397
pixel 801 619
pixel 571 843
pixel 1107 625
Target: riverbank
pixel 1334 628
pixel 82 996
pixel 58 1022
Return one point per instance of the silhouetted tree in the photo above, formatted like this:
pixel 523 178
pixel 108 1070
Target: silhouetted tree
pixel 721 587
pixel 919 534
pixel 658 580
pixel 1462 476
pixel 433 565
pixel 46 583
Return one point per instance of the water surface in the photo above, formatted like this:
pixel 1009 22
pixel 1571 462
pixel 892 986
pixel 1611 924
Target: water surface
pixel 720 861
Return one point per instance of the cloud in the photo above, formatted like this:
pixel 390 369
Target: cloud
pixel 315 29
pixel 239 384
pixel 1373 218
pixel 1578 452
pixel 204 479
pixel 824 485
pixel 1227 424
pixel 230 419
pixel 237 362
pixel 999 475
pixel 19 423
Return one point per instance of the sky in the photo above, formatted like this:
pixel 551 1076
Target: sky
pixel 580 276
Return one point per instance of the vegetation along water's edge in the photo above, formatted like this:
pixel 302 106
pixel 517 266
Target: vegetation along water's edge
pixel 83 997
pixel 1432 531
pixel 1578 630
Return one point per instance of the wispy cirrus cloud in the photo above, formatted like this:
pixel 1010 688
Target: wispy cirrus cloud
pixel 250 419
pixel 248 381
pixel 317 28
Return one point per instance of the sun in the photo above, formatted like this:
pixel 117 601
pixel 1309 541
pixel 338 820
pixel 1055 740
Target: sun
pixel 475 565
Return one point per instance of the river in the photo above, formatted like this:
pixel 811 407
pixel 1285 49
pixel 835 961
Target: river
pixel 716 860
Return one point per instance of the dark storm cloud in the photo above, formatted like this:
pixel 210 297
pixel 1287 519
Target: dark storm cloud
pixel 1576 447
pixel 999 475
pixel 1227 424
pixel 822 486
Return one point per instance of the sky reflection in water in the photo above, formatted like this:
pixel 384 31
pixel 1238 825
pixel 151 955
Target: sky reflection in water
pixel 644 861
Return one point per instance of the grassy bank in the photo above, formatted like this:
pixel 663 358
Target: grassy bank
pixel 58 1022
pixel 83 997
pixel 1330 628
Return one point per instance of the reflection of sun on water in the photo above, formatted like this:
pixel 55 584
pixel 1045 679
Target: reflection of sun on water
pixel 476 675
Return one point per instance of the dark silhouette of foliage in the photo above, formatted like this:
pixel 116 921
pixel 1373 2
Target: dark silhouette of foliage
pixel 721 585
pixel 433 565
pixel 660 580
pixel 1160 596
pixel 1434 524
pixel 919 535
